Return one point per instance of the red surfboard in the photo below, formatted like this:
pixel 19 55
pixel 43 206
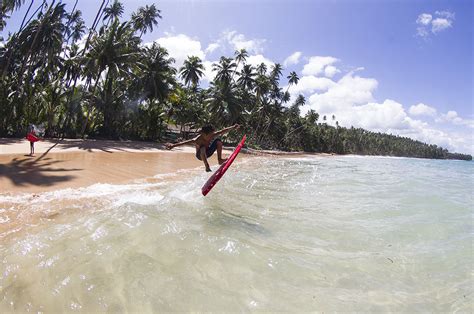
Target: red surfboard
pixel 222 169
pixel 32 138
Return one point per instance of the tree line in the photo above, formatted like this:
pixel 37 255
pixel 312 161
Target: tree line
pixel 103 82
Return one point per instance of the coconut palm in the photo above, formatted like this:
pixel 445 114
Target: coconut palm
pixel 275 72
pixel 113 53
pixel 240 56
pixel 262 69
pixel 223 103
pixel 247 77
pixel 157 75
pixel 78 30
pixel 114 11
pixel 145 18
pixel 192 71
pixel 224 68
pixel 292 79
pixel 11 5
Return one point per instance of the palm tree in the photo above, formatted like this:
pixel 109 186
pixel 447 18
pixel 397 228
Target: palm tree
pixel 78 29
pixel 247 77
pixel 275 72
pixel 24 17
pixel 240 56
pixel 192 71
pixel 292 79
pixel 114 11
pixel 223 103
pixel 44 39
pixel 145 18
pixel 115 52
pixel 156 73
pixel 262 69
pixel 11 5
pixel 93 27
pixel 224 70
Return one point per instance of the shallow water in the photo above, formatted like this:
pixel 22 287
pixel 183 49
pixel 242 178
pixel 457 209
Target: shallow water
pixel 276 234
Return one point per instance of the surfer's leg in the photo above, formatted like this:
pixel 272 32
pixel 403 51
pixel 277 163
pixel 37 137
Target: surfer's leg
pixel 32 148
pixel 219 153
pixel 203 152
pixel 216 145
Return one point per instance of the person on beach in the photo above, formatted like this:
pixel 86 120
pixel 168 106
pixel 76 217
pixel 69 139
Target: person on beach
pixel 32 137
pixel 204 147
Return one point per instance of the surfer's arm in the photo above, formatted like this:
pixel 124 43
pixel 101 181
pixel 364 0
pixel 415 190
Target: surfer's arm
pixel 223 131
pixel 171 146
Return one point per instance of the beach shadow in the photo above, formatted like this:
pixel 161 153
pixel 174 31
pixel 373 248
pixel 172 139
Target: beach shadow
pixel 109 146
pixel 89 145
pixel 10 141
pixel 22 172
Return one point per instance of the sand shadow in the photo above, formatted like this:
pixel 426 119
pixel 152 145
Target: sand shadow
pixel 108 146
pixel 10 141
pixel 22 172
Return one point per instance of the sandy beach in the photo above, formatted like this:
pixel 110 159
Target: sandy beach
pixel 79 163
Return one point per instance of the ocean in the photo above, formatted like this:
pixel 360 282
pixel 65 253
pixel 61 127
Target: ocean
pixel 307 233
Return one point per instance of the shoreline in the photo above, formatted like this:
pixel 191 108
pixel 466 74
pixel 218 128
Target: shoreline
pixel 74 163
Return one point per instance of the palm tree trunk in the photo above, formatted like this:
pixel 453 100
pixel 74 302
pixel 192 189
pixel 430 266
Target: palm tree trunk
pixel 10 52
pixel 69 23
pixel 24 17
pixel 89 106
pixel 94 25
pixel 35 39
pixel 76 76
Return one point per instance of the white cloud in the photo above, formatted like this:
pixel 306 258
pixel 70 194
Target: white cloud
pixel 316 65
pixel 330 71
pixel 422 110
pixel 258 59
pixel 427 24
pixel 208 75
pixel 453 117
pixel 446 14
pixel 293 59
pixel 230 41
pixel 310 84
pixel 180 47
pixel 350 90
pixel 424 19
pixel 378 117
pixel 212 47
pixel 440 24
pixel 240 42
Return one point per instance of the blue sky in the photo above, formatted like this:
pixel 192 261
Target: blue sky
pixel 402 67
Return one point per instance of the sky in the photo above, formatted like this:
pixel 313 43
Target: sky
pixel 395 66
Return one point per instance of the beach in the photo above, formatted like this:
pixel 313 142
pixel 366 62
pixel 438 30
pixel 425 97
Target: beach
pixel 79 163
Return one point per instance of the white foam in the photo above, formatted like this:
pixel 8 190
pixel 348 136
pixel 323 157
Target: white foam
pixel 140 198
pixel 97 190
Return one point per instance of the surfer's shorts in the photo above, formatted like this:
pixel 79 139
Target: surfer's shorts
pixel 210 150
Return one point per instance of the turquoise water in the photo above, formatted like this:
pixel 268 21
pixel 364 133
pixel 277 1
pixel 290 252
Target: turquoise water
pixel 276 234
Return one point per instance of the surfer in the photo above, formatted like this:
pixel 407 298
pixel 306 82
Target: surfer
pixel 207 142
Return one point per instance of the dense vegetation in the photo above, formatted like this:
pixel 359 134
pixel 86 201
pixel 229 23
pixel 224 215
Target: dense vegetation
pixel 106 83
